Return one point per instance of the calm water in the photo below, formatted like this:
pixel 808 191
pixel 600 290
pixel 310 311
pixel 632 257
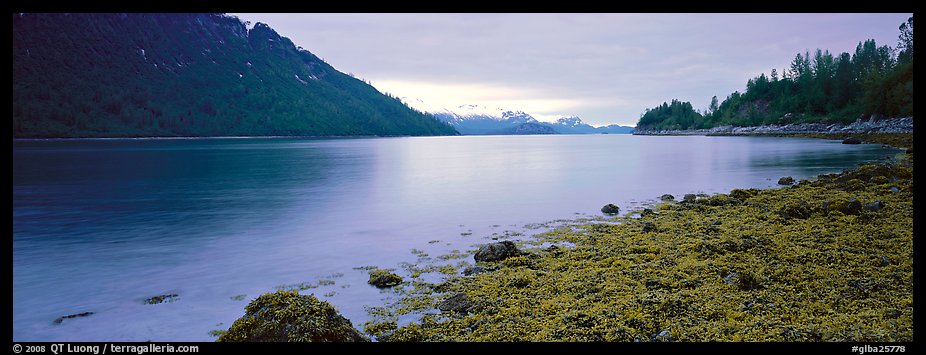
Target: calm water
pixel 100 225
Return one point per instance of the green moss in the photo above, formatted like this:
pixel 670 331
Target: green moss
pixel 769 265
pixel 289 316
pixel 384 278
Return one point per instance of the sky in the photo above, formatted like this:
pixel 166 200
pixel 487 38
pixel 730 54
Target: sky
pixel 604 68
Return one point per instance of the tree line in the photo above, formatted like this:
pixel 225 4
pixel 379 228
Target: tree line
pixel 872 82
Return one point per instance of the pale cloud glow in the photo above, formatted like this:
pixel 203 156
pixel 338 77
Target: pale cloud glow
pixel 604 68
pixel 435 97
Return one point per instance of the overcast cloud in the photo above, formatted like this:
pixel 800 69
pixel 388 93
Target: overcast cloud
pixel 604 68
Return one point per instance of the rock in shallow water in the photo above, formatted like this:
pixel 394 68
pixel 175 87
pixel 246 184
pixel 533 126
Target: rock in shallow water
pixel 383 279
pixel 851 140
pixel 667 197
pixel 287 316
pixel 70 316
pixel 611 209
pixel 162 298
pixel 787 180
pixel 496 251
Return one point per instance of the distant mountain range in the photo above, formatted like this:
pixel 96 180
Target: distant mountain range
pixel 131 75
pixel 482 120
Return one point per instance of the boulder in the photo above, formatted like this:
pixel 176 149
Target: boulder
pixel 874 206
pixel 850 206
pixel 740 194
pixel 496 251
pixel 795 209
pixel 383 279
pixel 457 303
pixel 287 316
pixel 667 197
pixel 851 140
pixel 690 197
pixel 664 336
pixel 611 209
pixel 787 180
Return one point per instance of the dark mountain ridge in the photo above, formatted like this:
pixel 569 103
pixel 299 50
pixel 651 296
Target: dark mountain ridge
pixel 128 75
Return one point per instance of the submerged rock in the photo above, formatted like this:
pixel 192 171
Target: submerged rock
pixel 611 209
pixel 70 316
pixel 383 279
pixel 852 140
pixel 161 298
pixel 287 316
pixel 787 180
pixel 496 251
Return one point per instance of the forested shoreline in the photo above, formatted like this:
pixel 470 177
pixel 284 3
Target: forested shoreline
pixel 818 87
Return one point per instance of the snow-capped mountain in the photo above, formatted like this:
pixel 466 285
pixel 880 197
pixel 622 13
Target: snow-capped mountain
pixel 479 119
pixel 574 125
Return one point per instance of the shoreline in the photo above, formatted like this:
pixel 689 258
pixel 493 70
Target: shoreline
pixel 887 126
pixel 828 258
pixel 728 267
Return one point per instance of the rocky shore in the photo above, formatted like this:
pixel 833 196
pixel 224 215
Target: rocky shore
pixel 822 259
pixel 893 125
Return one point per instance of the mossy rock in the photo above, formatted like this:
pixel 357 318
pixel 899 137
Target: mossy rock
pixel 845 206
pixel 383 279
pixel 287 316
pixel 667 197
pixel 742 195
pixel 718 200
pixel 795 209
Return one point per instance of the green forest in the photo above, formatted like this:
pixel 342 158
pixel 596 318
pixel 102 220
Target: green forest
pixel 132 75
pixel 873 82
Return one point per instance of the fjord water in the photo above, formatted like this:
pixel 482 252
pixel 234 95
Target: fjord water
pixel 101 225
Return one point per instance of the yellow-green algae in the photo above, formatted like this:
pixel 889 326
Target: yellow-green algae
pixel 754 265
pixel 288 316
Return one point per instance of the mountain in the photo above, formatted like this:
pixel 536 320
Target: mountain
pixel 476 119
pixel 615 129
pixel 528 128
pixel 572 125
pixel 115 75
